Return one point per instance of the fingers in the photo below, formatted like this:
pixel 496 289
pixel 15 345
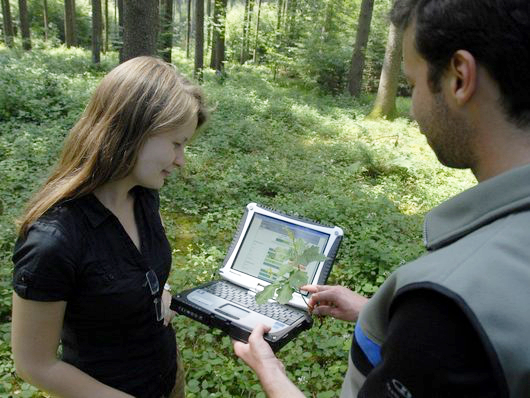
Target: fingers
pixel 256 349
pixel 169 315
pixel 316 288
pixel 258 332
pixel 239 347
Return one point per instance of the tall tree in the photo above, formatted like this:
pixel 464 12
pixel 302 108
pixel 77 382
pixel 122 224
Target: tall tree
pixel 291 18
pixel 24 24
pixel 218 43
pixel 45 16
pixel 247 22
pixel 96 31
pixel 199 39
pixel 208 23
pixel 140 28
pixel 359 51
pixel 188 30
pixel 9 33
pixel 279 15
pixel 106 24
pixel 242 55
pixel 119 4
pixel 254 56
pixel 69 23
pixel 166 34
pixel 385 102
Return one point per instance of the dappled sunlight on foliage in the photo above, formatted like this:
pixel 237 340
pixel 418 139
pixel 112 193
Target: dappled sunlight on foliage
pixel 271 142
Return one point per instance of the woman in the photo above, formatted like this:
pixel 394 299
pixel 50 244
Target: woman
pixel 92 258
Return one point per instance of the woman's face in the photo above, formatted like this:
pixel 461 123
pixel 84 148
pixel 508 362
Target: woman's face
pixel 160 154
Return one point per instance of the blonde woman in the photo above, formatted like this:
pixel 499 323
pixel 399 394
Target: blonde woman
pixel 92 258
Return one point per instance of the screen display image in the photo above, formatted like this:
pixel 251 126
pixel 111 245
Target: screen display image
pixel 265 240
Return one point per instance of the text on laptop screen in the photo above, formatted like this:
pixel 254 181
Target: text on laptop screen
pixel 266 237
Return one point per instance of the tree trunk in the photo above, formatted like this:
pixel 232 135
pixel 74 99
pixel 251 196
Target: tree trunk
pixel 199 39
pixel 119 3
pixel 188 30
pixel 291 15
pixel 218 44
pixel 140 28
pixel 385 102
pixel 209 23
pixel 254 57
pixel 279 15
pixel 69 23
pixel 215 33
pixel 248 30
pixel 242 55
pixel 45 16
pixel 96 31
pixel 106 24
pixel 166 42
pixel 355 77
pixel 9 33
pixel 24 24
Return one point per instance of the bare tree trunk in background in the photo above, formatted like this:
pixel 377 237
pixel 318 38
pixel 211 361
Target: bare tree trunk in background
pixel 9 33
pixel 96 31
pixel 355 77
pixel 385 102
pixel 24 24
pixel 188 30
pixel 251 4
pixel 45 16
pixel 291 19
pixel 209 23
pixel 199 39
pixel 279 21
pixel 69 23
pixel 254 56
pixel 166 42
pixel 119 3
pixel 106 46
pixel 218 44
pixel 141 21
pixel 242 55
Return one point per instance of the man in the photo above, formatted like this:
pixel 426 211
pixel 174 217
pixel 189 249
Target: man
pixel 453 323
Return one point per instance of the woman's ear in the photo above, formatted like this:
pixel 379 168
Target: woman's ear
pixel 463 76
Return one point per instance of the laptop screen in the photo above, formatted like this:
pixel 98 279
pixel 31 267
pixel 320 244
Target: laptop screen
pixel 263 249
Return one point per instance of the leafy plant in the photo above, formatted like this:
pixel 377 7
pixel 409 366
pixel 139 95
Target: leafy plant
pixel 293 272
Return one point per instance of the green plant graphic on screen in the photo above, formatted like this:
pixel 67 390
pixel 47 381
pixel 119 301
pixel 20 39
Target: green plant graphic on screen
pixel 292 269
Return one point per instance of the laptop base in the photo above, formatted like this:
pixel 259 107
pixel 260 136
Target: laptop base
pixel 227 321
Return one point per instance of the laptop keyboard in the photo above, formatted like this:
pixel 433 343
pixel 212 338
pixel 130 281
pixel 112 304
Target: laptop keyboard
pixel 240 296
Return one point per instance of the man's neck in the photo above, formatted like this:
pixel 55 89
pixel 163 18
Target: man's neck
pixel 503 151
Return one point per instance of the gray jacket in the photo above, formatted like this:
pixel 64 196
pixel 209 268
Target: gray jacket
pixel 479 256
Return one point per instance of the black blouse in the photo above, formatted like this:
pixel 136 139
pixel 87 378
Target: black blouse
pixel 80 253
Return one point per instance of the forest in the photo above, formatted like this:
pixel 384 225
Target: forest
pixel 310 116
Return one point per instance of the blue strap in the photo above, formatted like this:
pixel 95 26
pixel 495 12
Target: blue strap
pixel 370 349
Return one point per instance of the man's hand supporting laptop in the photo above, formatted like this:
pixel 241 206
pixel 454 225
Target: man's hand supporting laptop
pixel 336 301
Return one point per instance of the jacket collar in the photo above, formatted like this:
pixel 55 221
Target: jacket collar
pixel 486 202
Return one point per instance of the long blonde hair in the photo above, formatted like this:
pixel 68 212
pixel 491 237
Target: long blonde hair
pixel 136 99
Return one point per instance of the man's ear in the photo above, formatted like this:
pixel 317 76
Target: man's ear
pixel 463 76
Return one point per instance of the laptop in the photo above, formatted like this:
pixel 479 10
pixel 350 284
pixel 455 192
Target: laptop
pixel 251 264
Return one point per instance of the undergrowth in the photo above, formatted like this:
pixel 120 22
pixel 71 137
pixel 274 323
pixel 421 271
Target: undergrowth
pixel 268 141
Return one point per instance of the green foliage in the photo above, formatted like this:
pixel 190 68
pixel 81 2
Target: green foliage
pixel 292 272
pixel 268 142
pixel 316 48
pixel 314 42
